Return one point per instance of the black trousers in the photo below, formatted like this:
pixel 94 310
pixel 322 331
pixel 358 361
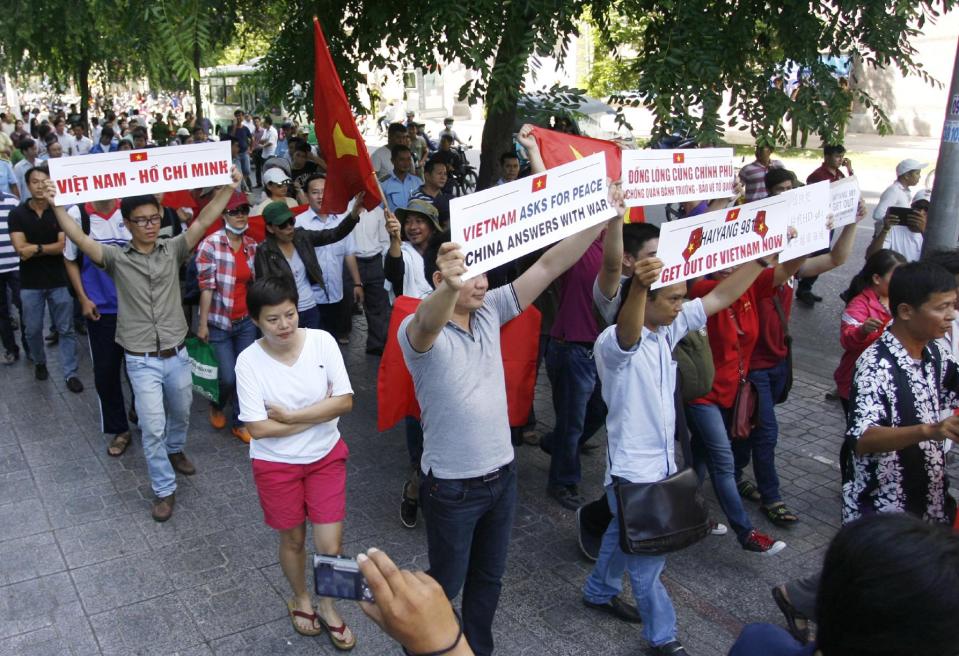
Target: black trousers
pixel 11 279
pixel 107 371
pixel 376 301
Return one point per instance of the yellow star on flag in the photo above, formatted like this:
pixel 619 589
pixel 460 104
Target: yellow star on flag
pixel 576 153
pixel 343 144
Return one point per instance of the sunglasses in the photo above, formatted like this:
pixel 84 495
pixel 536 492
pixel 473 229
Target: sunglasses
pixel 238 211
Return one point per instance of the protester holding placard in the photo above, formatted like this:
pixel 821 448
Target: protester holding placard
pixel 224 265
pixel 451 347
pixel 770 370
pixel 733 335
pixel 151 327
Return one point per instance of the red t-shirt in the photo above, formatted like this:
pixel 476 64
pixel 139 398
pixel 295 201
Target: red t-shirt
pixel 575 319
pixel 732 340
pixel 771 348
pixel 241 270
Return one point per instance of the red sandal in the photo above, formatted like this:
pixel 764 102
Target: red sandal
pixel 338 642
pixel 312 617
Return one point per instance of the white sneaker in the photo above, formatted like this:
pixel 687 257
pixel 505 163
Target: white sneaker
pixel 715 528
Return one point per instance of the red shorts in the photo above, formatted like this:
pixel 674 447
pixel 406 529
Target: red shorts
pixel 290 493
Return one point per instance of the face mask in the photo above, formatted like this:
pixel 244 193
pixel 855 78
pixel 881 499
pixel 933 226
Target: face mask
pixel 235 231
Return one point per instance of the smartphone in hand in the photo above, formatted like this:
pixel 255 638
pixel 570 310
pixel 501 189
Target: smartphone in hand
pixel 339 577
pixel 901 213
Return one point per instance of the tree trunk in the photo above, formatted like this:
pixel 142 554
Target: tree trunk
pixel 197 98
pixel 502 93
pixel 83 81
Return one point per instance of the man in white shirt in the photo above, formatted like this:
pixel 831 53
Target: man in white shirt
pixel 382 157
pixel 81 143
pixel 269 138
pixel 332 259
pixel 371 241
pixel 64 137
pixel 897 194
pixel 30 159
pixel 904 233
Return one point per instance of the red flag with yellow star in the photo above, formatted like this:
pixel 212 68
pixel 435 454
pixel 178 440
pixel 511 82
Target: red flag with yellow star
pixel 350 170
pixel 759 224
pixel 695 241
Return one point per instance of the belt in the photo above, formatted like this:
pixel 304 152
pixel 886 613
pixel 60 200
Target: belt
pixel 490 476
pixel 240 320
pixel 162 353
pixel 367 258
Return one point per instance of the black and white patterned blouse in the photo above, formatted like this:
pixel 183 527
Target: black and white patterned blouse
pixel 892 389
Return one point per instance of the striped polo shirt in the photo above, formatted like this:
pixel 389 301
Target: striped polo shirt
pixel 9 261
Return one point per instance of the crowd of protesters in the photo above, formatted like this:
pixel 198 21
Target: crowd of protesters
pixel 139 274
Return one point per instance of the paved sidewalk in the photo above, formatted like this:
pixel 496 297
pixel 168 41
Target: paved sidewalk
pixel 84 570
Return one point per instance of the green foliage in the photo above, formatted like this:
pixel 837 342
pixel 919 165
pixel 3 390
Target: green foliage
pixel 679 58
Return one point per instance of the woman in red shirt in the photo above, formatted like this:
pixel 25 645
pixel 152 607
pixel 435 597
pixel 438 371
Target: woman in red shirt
pixel 865 316
pixel 224 263
pixel 732 336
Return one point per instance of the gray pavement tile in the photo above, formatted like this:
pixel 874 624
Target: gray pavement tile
pixel 56 450
pixel 71 475
pixel 46 642
pixel 200 561
pixel 17 486
pixel 185 524
pixel 11 459
pixel 49 601
pixel 233 603
pixel 157 626
pixel 98 541
pixel 29 557
pixel 121 582
pixel 21 518
pixel 76 506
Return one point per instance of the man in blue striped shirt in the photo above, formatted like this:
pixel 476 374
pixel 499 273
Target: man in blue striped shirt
pixel 9 285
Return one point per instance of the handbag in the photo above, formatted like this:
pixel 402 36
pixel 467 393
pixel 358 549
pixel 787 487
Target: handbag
pixel 667 515
pixel 203 368
pixel 745 410
pixel 784 396
pixel 694 359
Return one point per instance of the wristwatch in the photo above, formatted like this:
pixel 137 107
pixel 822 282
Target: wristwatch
pixel 39 249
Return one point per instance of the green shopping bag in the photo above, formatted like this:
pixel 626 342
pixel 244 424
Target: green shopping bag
pixel 204 368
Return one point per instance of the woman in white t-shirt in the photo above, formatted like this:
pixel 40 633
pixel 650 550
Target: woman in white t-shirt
pixel 292 388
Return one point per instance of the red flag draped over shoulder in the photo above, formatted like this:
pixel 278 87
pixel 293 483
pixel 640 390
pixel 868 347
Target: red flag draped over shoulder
pixel 350 170
pixel 559 148
pixel 519 345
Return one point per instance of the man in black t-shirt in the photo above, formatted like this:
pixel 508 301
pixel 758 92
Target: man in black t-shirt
pixel 38 240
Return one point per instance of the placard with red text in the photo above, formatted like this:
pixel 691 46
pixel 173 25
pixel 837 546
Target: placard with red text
pixel 502 223
pixel 655 177
pixel 119 174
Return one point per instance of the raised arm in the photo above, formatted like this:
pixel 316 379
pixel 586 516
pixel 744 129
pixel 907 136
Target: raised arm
pixel 612 268
pixel 71 229
pixel 213 210
pixel 527 141
pixel 629 327
pixel 437 308
pixel 820 264
pixel 552 264
pixel 734 286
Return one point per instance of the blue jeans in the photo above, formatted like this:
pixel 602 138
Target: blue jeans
pixel 652 599
pixel 468 524
pixel 761 444
pixel 60 303
pixel 578 404
pixel 163 388
pixel 228 344
pixel 310 318
pixel 712 452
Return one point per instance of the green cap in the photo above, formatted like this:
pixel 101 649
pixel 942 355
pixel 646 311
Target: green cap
pixel 277 213
pixel 420 206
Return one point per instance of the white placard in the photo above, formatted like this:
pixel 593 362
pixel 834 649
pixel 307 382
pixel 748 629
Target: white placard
pixel 809 215
pixel 655 177
pixel 718 240
pixel 844 198
pixel 84 178
pixel 499 224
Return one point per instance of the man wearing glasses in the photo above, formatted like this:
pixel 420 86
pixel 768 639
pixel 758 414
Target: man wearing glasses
pixel 151 327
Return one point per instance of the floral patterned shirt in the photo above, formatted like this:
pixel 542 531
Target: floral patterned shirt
pixel 892 389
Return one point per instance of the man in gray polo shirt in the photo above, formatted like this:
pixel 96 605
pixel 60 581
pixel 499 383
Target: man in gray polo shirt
pixel 151 326
pixel 452 349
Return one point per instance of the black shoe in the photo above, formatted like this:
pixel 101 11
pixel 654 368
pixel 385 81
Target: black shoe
pixel 673 648
pixel 74 385
pixel 618 609
pixel 806 298
pixel 567 496
pixel 408 511
pixel 588 543
pixel 41 372
pixel 52 338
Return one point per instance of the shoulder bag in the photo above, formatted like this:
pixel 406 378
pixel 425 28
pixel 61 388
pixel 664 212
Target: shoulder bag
pixel 745 410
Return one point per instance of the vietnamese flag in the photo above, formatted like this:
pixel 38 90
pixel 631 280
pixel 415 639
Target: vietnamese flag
pixel 559 148
pixel 519 345
pixel 349 168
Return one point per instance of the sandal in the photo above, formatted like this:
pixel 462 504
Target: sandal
pixel 793 616
pixel 779 514
pixel 341 643
pixel 118 445
pixel 747 490
pixel 312 617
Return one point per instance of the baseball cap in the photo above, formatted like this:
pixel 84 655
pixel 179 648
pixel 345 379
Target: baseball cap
pixel 182 132
pixel 276 176
pixel 238 199
pixel 419 206
pixel 906 165
pixel 922 194
pixel 277 213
